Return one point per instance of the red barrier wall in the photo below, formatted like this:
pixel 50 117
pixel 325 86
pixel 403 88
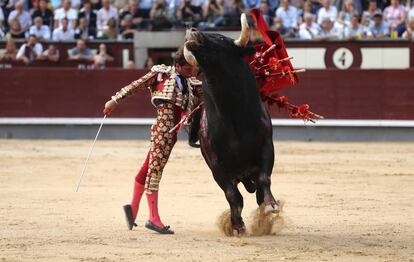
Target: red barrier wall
pixel 335 94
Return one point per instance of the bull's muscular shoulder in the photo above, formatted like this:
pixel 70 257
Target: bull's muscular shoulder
pixel 163 69
pixel 194 81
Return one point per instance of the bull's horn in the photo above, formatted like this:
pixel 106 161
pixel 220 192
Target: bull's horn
pixel 244 34
pixel 189 57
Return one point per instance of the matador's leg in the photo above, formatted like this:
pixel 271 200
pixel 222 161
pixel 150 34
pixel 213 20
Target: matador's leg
pixel 162 143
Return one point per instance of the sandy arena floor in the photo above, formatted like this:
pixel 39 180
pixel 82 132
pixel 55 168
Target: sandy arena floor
pixel 344 202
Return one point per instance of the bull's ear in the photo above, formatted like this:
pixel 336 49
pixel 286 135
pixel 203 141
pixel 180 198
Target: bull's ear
pixel 247 51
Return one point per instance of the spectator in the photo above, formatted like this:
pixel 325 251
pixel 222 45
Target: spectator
pixel 347 12
pixel 139 16
pixel 411 11
pixel 149 63
pixel 80 52
pixel 328 31
pixel 249 4
pixel 188 14
pixel 30 51
pixel 213 11
pixel 327 11
pixel 289 15
pixel 355 30
pixel 63 33
pixel 120 4
pixel 159 16
pixel 102 57
pixel 232 12
pixel 409 33
pixel 89 16
pixel 66 11
pixel 127 28
pixel 96 5
pixel 44 12
pixel 130 65
pixel 106 13
pixel 278 26
pixel 110 31
pixel 21 15
pixel 379 29
pixel 265 11
pixel 368 15
pixel 10 52
pixel 41 31
pixel 51 54
pixel 307 9
pixel 15 29
pixel 308 29
pixel 82 30
pixel 394 16
pixel 1 20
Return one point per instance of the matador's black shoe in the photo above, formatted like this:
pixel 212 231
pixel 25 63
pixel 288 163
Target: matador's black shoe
pixel 161 230
pixel 128 216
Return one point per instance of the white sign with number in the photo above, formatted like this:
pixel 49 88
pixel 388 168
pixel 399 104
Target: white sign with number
pixel 343 58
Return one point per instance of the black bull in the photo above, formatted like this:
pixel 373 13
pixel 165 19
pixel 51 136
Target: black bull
pixel 236 132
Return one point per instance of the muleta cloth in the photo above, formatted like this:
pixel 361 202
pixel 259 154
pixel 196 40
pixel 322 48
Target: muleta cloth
pixel 274 71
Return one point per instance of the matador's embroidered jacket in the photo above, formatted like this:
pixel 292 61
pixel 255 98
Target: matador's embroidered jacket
pixel 165 85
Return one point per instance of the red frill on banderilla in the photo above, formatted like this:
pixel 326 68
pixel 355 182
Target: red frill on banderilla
pixel 274 71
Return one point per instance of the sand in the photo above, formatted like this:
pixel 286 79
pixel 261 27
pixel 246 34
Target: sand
pixel 343 202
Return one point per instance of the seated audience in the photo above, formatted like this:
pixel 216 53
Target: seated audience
pixel 105 14
pixel 394 16
pixel 67 12
pixel 44 12
pixel 51 54
pixel 82 30
pixel 80 52
pixel 265 11
pixel 368 15
pixel 328 31
pixel 345 15
pixel 30 51
pixel 308 29
pixel 232 12
pixel 90 17
pixel 289 15
pixel 21 15
pixel 10 52
pixel 102 57
pixel 188 14
pixel 127 28
pixel 139 17
pixel 63 33
pixel 110 31
pixel 409 33
pixel 159 16
pixel 41 31
pixel 15 29
pixel 327 11
pixel 378 29
pixel 355 30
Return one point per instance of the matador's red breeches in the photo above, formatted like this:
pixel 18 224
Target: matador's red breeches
pixel 162 143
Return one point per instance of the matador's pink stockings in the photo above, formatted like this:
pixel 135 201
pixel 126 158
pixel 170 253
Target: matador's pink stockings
pixel 139 187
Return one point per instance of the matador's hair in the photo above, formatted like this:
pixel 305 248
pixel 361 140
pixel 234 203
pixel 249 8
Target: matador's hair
pixel 179 57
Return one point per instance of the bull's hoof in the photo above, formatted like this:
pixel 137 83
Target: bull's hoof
pixel 272 208
pixel 239 232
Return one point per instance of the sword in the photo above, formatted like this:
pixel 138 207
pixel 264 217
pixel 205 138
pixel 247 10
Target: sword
pixel 90 152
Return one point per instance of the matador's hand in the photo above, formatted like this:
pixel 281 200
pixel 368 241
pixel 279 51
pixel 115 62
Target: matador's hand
pixel 109 107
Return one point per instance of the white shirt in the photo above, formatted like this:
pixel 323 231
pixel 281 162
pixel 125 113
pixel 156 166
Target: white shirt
pixel 43 31
pixel 59 35
pixel 332 13
pixel 145 4
pixel 308 32
pixel 24 19
pixel 104 15
pixel 289 17
pixel 411 13
pixel 71 15
pixel 37 48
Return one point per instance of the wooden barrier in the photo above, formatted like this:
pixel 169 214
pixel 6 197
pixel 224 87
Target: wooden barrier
pixel 335 94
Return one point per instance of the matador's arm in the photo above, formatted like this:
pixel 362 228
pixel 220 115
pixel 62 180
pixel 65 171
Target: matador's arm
pixel 146 81
pixel 143 82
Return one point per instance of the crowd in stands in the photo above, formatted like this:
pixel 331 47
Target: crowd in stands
pixel 62 20
pixel 36 21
